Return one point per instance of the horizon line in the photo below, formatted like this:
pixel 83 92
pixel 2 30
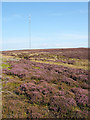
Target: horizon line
pixel 44 49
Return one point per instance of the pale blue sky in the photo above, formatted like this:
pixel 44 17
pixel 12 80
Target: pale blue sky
pixel 53 25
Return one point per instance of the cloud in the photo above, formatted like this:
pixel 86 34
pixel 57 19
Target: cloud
pixel 15 43
pixel 16 16
pixel 71 45
pixel 73 36
pixel 83 11
pixel 15 40
pixel 45 0
pixel 69 13
pixel 12 17
pixel 60 37
pixel 56 14
pixel 55 40
pixel 55 37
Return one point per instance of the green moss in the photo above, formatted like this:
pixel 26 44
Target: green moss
pixel 75 108
pixel 36 67
pixel 6 66
pixel 11 85
pixel 77 85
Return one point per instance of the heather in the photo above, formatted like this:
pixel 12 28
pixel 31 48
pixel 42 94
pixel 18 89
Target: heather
pixel 45 83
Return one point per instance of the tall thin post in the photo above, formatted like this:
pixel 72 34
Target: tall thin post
pixel 29 31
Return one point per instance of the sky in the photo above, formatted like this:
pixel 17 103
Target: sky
pixel 53 25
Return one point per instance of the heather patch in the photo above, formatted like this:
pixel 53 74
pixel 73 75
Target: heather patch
pixel 81 96
pixel 69 81
pixel 38 94
pixel 45 84
pixel 61 105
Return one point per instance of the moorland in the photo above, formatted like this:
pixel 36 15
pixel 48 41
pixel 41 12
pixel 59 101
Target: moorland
pixel 45 83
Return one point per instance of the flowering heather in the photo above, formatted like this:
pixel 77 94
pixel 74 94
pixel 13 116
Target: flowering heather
pixel 61 105
pixel 81 96
pixel 68 81
pixel 45 84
